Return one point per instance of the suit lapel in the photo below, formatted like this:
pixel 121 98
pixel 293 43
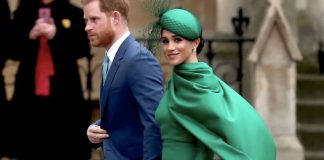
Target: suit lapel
pixel 112 72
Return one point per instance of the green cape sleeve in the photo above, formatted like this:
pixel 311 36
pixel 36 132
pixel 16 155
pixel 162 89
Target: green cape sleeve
pixel 217 115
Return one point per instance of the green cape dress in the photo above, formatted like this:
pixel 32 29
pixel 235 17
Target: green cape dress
pixel 201 116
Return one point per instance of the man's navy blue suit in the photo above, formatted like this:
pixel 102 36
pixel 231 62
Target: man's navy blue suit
pixel 128 100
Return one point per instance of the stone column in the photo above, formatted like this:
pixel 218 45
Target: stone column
pixel 273 58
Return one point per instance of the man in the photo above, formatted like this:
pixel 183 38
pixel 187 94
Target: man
pixel 132 90
pixel 51 40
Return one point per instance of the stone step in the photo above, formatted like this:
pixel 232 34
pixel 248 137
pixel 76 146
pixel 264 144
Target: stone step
pixel 303 76
pixel 310 128
pixel 314 155
pixel 310 115
pixel 310 111
pixel 310 86
pixel 311 136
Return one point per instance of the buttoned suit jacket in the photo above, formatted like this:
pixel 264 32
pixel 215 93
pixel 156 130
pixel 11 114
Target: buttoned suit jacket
pixel 128 100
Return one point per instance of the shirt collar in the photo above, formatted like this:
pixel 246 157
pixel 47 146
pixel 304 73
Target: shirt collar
pixel 111 53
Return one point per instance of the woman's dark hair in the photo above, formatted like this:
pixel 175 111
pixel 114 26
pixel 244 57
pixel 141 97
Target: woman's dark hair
pixel 200 45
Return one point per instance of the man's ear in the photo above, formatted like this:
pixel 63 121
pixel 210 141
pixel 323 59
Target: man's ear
pixel 116 17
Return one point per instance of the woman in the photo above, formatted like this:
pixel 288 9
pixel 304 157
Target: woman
pixel 201 116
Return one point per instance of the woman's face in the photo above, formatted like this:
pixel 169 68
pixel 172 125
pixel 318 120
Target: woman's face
pixel 178 50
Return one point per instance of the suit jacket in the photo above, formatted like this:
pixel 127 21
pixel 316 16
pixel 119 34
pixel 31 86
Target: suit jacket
pixel 128 100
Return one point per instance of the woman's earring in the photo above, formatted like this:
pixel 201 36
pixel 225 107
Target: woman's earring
pixel 194 50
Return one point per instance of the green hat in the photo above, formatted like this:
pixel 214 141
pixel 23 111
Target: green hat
pixel 181 22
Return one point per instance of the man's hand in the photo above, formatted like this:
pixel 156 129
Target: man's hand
pixel 96 134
